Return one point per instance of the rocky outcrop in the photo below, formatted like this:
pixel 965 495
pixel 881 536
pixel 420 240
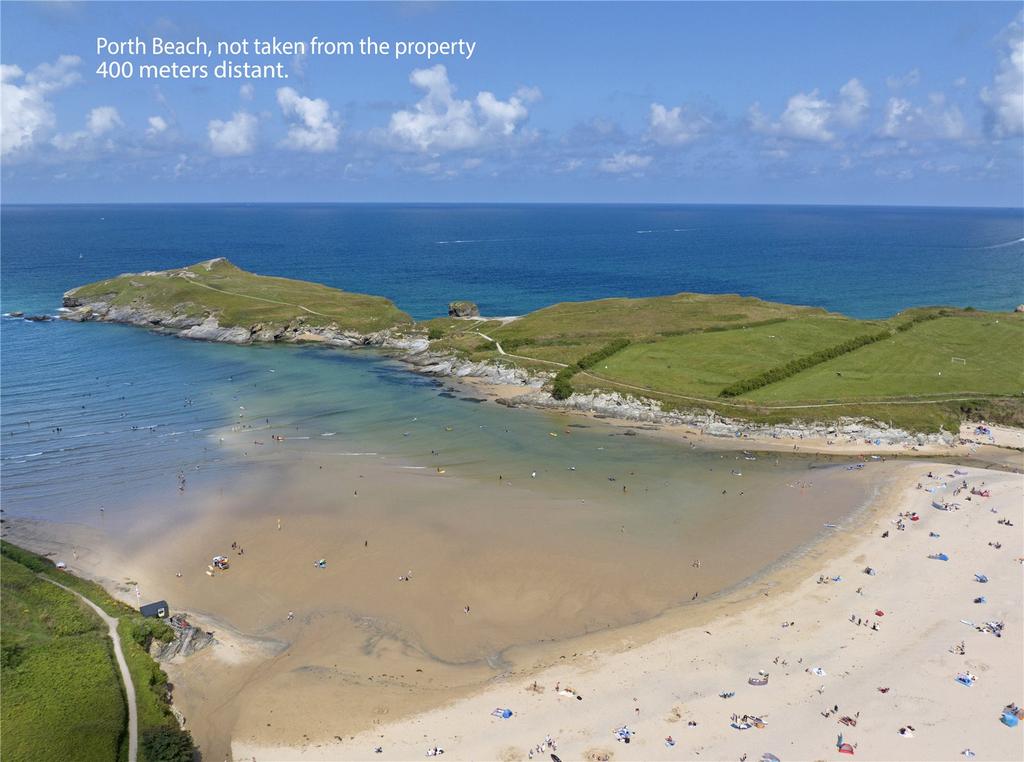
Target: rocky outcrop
pixel 433 364
pixel 183 322
pixel 462 309
pixel 641 410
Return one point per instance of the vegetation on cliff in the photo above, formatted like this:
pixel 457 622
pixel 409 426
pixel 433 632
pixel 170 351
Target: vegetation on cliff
pixel 239 298
pixel 57 659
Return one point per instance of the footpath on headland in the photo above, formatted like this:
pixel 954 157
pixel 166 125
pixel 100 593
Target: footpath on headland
pixel 122 665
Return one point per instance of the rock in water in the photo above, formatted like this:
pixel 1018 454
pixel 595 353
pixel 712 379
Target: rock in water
pixel 463 309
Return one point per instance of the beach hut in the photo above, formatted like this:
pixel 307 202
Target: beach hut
pixel 157 610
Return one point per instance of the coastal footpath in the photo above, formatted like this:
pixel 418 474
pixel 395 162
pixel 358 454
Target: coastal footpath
pixel 79 681
pixel 726 365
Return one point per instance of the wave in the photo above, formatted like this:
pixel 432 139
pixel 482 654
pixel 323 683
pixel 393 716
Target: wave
pixel 1005 244
pixel 666 230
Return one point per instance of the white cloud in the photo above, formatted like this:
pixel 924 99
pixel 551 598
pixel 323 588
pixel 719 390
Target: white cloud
pixel 235 137
pixel 812 117
pixel 316 131
pixel 624 162
pixel 26 113
pixel 1004 98
pixel 442 122
pixel 938 119
pixel 103 119
pixel 157 124
pixel 675 126
pixel 98 121
pixel 852 107
pixel 569 165
pixel 246 92
pixel 806 118
pixel 909 79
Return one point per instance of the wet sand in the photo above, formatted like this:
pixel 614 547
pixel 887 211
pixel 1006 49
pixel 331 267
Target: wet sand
pixel 890 692
pixel 536 566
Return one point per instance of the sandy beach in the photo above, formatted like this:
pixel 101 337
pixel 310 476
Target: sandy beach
pixel 381 632
pixel 363 665
pixel 816 641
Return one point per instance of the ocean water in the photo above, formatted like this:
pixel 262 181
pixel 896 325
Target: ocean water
pixel 96 415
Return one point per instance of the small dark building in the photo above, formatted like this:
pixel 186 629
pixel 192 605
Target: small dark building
pixel 159 610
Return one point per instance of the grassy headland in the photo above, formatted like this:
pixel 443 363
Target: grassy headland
pixel 63 697
pixel 239 298
pixel 922 369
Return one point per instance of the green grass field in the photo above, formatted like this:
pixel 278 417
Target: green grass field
pixel 703 364
pixel 62 695
pixel 240 298
pixel 919 363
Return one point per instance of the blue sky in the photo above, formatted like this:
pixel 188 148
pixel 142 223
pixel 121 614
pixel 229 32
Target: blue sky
pixel 861 103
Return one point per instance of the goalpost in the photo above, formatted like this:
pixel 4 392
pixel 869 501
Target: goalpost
pixel 959 360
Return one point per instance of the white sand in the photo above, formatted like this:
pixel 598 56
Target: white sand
pixel 676 678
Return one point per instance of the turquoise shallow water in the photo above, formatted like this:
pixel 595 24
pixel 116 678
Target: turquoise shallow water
pixel 134 408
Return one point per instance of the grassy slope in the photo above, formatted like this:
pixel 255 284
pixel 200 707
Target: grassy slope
pixel 565 332
pixel 243 299
pixel 695 345
pixel 62 696
pixel 134 629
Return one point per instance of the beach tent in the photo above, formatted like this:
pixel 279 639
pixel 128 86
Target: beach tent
pixel 1009 720
pixel 844 748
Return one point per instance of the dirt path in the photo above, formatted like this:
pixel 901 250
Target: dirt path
pixel 263 299
pixel 126 677
pixel 518 357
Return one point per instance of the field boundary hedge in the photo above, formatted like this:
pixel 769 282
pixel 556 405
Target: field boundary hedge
pixel 562 387
pixel 791 368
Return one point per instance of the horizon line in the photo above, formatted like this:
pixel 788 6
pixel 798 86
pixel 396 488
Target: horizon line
pixel 513 203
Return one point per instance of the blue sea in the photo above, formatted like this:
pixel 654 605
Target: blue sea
pixel 95 414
